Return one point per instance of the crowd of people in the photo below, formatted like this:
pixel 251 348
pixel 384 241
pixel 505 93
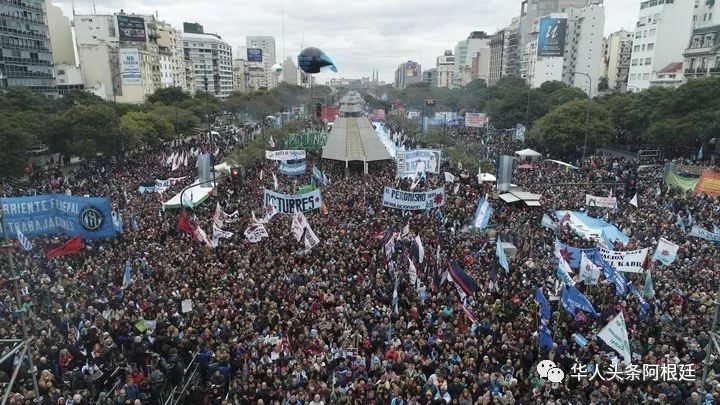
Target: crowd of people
pixel 272 322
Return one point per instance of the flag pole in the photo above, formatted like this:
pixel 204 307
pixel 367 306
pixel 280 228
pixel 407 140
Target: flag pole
pixel 23 320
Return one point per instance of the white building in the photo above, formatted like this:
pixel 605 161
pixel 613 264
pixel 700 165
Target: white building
pixel 261 57
pixel 660 37
pixel 211 59
pixel 290 73
pixel 582 50
pixel 172 57
pixel 615 64
pixel 444 69
pixel 477 45
pixel 240 75
pixel 702 53
pixel 61 41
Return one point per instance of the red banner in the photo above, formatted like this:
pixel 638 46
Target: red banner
pixel 709 183
pixel 329 113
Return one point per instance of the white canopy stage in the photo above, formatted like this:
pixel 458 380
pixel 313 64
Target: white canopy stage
pixel 517 194
pixel 486 177
pixel 193 197
pixel 527 153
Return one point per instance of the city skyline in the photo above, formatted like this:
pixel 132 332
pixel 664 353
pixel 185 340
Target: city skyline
pixel 391 32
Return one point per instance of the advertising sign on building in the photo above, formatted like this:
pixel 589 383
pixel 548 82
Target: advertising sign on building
pixel 476 120
pixel 131 29
pixel 551 38
pixel 130 67
pixel 254 55
pixel 412 69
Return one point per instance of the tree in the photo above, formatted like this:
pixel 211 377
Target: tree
pixel 169 96
pixel 14 141
pixel 85 131
pixel 183 121
pixel 144 128
pixel 562 130
pixel 603 84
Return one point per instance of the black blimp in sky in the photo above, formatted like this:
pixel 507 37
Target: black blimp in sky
pixel 312 60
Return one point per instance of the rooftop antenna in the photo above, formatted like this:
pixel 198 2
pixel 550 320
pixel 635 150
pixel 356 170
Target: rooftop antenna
pixel 73 8
pixel 282 20
pixel 94 10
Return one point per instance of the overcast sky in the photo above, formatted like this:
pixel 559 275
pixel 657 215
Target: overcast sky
pixel 358 35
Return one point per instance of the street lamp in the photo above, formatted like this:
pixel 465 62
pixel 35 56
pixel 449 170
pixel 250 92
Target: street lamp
pixel 587 114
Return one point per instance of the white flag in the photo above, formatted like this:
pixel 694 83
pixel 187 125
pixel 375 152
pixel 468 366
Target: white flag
pixel 634 201
pixel 270 212
pixel 234 217
pixel 449 178
pixel 589 272
pixel 616 336
pixel 219 234
pixel 412 273
pixel 298 225
pixel 272 142
pixel 406 229
pixel 201 236
pixel 24 242
pixel 255 232
pixel 219 216
pixel 420 249
pixel 252 214
pixel 185 159
pixel 275 183
pixel 261 174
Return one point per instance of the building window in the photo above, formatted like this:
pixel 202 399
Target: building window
pixel 634 62
pixel 650 47
pixel 646 76
pixel 636 48
pixel 648 61
pixel 651 33
pixel 643 47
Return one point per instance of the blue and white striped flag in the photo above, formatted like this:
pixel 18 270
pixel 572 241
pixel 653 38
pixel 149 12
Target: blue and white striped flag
pixel 127 277
pixel 502 258
pixel 24 241
pixel 482 214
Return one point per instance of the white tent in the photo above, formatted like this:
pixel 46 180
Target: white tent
pixel 486 177
pixel 527 153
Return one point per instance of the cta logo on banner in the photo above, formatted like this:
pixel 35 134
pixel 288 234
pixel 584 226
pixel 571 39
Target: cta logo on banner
pixel 475 120
pixel 284 155
pixel 412 162
pixel 48 214
pixel 601 202
pixel 629 262
pixel 288 204
pixel 405 200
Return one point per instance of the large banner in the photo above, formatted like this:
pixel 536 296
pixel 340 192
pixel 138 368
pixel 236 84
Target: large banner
pixel 709 183
pixel 284 155
pixel 293 168
pixel 704 234
pixel 411 162
pixel 378 114
pixel 629 262
pixel 475 120
pixel 601 202
pixel 130 67
pixel 90 217
pixel 288 204
pixel 254 55
pixel 551 38
pixel 405 200
pixel 131 29
pixel 305 140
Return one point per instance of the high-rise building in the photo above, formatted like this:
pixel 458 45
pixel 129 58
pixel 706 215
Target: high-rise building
pixel 430 77
pixel 407 73
pixel 444 65
pixel 497 47
pixel 477 45
pixel 211 59
pixel 25 51
pixel 68 76
pixel 569 57
pixel 660 37
pixel 119 55
pixel 290 73
pixel 172 57
pixel 511 49
pixel 261 57
pixel 240 75
pixel 615 64
pixel 702 53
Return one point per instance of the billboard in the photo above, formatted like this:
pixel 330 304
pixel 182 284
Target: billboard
pixel 475 120
pixel 254 55
pixel 131 29
pixel 412 162
pixel 412 69
pixel 130 67
pixel 551 38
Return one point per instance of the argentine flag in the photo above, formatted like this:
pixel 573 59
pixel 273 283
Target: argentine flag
pixel 482 214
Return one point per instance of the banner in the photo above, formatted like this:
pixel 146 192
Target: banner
pixel 254 55
pixel 616 336
pixel 89 217
pixel 520 132
pixel 601 202
pixel 629 262
pixel 709 183
pixel 378 114
pixel 305 140
pixel 291 168
pixel 475 120
pixel 551 37
pixel 702 233
pixel 666 251
pixel 572 255
pixel 288 204
pixel 411 162
pixel 130 67
pixel 504 176
pixel 131 29
pixel 589 272
pixel 283 155
pixel 405 200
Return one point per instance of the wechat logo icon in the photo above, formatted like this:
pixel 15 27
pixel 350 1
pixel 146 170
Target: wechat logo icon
pixel 547 369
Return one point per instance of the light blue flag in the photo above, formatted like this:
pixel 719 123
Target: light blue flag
pixel 482 214
pixel 644 306
pixel 610 273
pixel 649 290
pixel 573 300
pixel 134 223
pixel 700 152
pixel 546 341
pixel 563 272
pixel 127 277
pixel 716 229
pixel 24 241
pixel 679 222
pixel 545 310
pixel 502 259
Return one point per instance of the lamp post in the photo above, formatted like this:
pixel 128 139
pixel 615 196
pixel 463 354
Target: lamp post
pixel 587 113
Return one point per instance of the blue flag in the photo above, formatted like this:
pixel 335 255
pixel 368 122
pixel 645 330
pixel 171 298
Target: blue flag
pixel 610 273
pixel 127 277
pixel 545 310
pixel 649 289
pixel 462 279
pixel 502 259
pixel 572 255
pixel 546 341
pixel 482 214
pixel 679 222
pixel 644 306
pixel 573 300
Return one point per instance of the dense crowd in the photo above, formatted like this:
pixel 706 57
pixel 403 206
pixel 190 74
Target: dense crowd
pixel 274 323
